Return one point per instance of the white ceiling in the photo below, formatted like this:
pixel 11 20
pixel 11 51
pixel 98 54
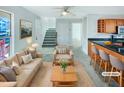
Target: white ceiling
pixel 79 11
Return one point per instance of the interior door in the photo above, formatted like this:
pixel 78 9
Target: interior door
pixel 76 34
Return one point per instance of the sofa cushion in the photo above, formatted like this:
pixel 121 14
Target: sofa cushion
pixel 27 72
pixel 15 67
pixel 19 57
pixel 2 78
pixel 33 53
pixel 63 56
pixel 24 77
pixel 61 50
pixel 27 58
pixel 26 51
pixel 2 64
pixel 8 73
pixel 9 61
pixel 39 55
pixel 32 64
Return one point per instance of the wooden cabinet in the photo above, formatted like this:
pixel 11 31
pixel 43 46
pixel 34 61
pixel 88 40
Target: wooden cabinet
pixel 90 44
pixel 109 25
pixel 101 26
pixel 120 22
pixel 89 48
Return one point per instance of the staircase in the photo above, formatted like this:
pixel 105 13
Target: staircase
pixel 50 39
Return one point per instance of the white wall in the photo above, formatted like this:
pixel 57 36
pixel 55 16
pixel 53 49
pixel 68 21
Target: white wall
pixel 38 31
pixel 84 35
pixel 64 30
pixel 90 28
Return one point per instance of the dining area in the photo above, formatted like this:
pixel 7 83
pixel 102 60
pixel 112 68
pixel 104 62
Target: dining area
pixel 107 60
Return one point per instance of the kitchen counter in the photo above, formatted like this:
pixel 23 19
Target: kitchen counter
pixel 115 48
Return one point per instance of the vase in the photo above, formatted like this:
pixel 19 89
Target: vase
pixel 63 70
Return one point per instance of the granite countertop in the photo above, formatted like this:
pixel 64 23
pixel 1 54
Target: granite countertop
pixel 115 48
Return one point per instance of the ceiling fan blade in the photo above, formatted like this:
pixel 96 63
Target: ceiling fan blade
pixel 72 14
pixel 65 11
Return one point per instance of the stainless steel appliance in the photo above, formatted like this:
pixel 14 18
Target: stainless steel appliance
pixel 120 30
pixel 117 40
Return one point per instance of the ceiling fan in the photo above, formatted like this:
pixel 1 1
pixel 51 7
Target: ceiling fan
pixel 66 10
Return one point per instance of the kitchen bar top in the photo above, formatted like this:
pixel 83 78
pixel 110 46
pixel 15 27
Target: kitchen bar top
pixel 115 48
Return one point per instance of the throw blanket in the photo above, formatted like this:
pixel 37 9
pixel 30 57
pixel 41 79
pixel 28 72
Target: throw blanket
pixel 8 73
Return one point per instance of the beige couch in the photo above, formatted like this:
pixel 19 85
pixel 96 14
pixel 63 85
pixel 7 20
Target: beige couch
pixel 27 71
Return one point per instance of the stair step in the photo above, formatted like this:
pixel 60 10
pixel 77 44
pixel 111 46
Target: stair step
pixel 49 39
pixel 44 46
pixel 48 45
pixel 51 30
pixel 50 36
pixel 48 42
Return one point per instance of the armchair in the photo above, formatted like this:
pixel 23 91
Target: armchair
pixel 63 52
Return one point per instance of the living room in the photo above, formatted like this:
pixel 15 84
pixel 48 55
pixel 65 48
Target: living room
pixel 32 59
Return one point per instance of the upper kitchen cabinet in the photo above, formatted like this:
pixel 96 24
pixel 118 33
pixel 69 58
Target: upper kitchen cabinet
pixel 109 25
pixel 120 22
pixel 101 26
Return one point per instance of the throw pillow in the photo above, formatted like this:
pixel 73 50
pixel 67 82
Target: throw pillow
pixel 19 55
pixel 15 68
pixel 61 50
pixel 33 53
pixel 7 73
pixel 27 58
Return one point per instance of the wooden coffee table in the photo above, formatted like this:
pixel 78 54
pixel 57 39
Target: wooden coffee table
pixel 64 79
pixel 56 62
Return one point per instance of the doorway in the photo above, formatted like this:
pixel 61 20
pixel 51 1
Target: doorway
pixel 76 34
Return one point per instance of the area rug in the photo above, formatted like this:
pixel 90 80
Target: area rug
pixel 42 78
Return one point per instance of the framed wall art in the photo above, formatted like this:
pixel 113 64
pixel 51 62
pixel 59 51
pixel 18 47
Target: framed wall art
pixel 25 28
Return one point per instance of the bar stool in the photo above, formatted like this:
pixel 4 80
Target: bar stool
pixel 104 60
pixel 94 56
pixel 118 65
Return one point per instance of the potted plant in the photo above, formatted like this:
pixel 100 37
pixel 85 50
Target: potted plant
pixel 63 64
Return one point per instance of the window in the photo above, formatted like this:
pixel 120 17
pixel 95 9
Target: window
pixel 5 34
